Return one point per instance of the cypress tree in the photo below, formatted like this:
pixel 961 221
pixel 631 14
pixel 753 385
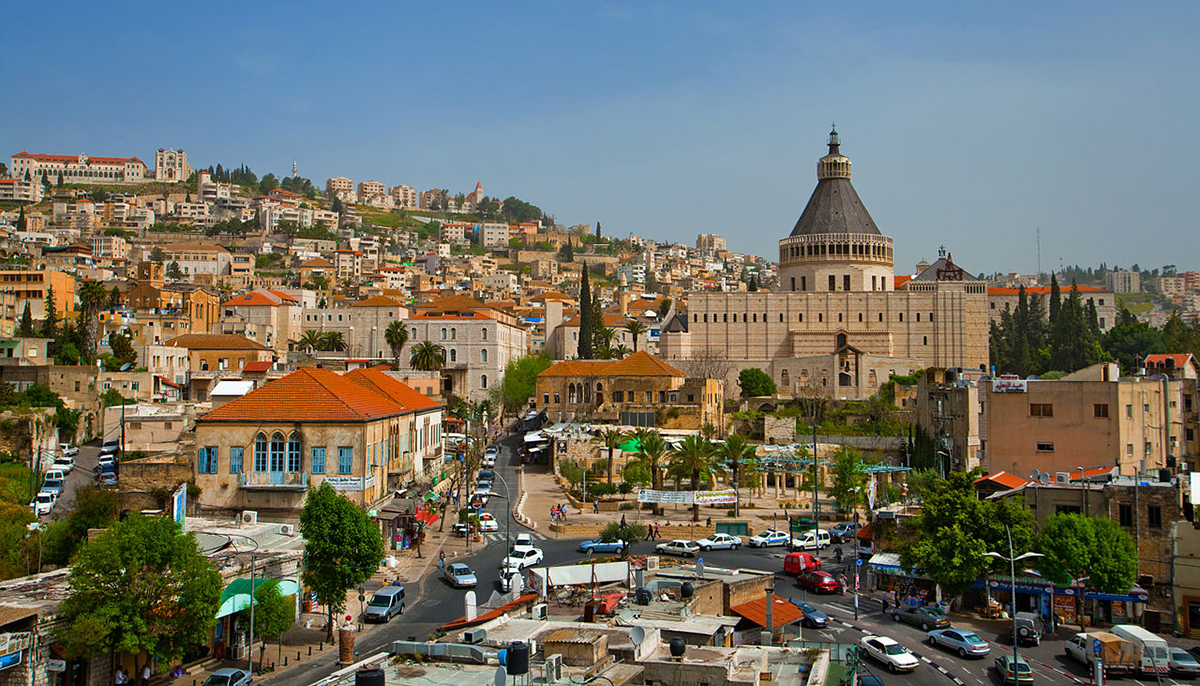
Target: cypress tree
pixel 50 323
pixel 21 221
pixel 1055 298
pixel 26 322
pixel 597 322
pixel 586 335
pixel 597 232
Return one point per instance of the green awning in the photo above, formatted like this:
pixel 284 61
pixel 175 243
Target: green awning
pixel 237 595
pixel 631 446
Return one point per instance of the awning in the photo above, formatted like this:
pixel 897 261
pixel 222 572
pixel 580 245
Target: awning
pixel 535 437
pixel 886 561
pixel 631 446
pixel 236 596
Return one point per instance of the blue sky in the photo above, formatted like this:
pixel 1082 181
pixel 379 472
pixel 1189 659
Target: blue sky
pixel 968 126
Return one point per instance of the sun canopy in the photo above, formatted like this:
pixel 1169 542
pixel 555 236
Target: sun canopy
pixel 236 596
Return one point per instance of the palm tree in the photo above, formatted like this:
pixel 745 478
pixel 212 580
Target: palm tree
pixel 333 340
pixel 653 449
pixel 635 328
pixel 312 340
pixel 396 336
pixel 612 439
pixel 92 297
pixel 693 455
pixel 620 352
pixel 605 336
pixel 734 451
pixel 427 356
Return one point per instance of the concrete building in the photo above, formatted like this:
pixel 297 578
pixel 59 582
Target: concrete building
pixel 1172 285
pixel 1123 281
pixel 197 259
pixel 212 357
pixel 31 287
pixel 339 186
pixel 275 314
pixel 404 197
pixel 370 189
pixel 20 190
pixel 491 234
pixel 362 324
pixel 709 242
pixel 171 166
pixel 77 168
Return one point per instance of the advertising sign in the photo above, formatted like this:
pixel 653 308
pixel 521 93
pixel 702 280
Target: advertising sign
pixel 647 495
pixel 179 503
pixel 723 497
pixel 1003 385
pixel 345 483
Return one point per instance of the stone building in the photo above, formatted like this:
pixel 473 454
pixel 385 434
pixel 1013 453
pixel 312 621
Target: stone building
pixel 842 323
pixel 171 165
pixel 1103 299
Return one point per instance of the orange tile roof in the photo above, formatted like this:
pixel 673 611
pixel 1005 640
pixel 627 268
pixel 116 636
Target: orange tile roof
pixel 640 363
pixel 1178 359
pixel 215 341
pixel 308 395
pixel 1042 290
pixel 317 262
pixel 783 611
pixel 69 159
pixel 900 280
pixel 1004 479
pixel 377 301
pixel 263 296
pixel 257 366
pixel 1090 473
pixel 397 391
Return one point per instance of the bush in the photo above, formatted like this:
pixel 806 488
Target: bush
pixel 730 513
pixel 601 489
pixel 626 506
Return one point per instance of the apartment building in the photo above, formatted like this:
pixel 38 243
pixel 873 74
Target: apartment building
pixel 370 189
pixel 404 197
pixel 31 287
pixel 347 264
pixel 492 234
pixel 275 314
pixel 708 242
pixel 1103 299
pixel 194 308
pixel 455 233
pixel 197 259
pixel 362 324
pixel 1124 281
pixel 211 191
pixel 339 185
pixel 78 168
pixel 20 190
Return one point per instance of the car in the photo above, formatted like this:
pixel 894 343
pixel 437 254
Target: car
pixel 795 563
pixel 1182 663
pixel 720 542
pixel 54 486
pixel 460 576
pixel 69 450
pixel 1029 628
pixel 506 579
pixel 893 655
pixel 869 680
pixel 460 529
pixel 817 582
pixel 813 618
pixel 921 615
pixel 486 475
pixel 597 545
pixel 1007 666
pixel 677 547
pixel 488 461
pixel 56 475
pixel 110 447
pixel 106 480
pixel 42 503
pixel 963 641
pixel 479 497
pixel 386 603
pixel 810 540
pixel 106 460
pixel 843 531
pixel 769 539
pixel 106 470
pixel 63 464
pixel 523 557
pixel 488 522
pixel 523 541
pixel 228 677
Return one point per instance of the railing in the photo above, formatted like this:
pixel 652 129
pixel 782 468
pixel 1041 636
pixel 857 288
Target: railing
pixel 280 481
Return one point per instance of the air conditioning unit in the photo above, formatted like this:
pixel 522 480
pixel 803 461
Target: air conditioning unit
pixel 1062 477
pixel 287 529
pixel 553 667
pixel 249 517
pixel 474 636
pixel 538 611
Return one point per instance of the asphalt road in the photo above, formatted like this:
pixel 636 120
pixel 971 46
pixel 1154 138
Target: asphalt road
pixel 82 475
pixel 434 603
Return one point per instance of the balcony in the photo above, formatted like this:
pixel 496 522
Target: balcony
pixel 274 481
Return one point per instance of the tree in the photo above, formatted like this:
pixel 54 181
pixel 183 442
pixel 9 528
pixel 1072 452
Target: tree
pixel 396 335
pixel 653 449
pixel 268 184
pixel 600 333
pixel 114 297
pixel 586 335
pixel 26 326
pixel 50 323
pixel 847 479
pixel 597 232
pixel 567 252
pixel 427 356
pixel 60 180
pixel 333 340
pixel 693 455
pixel 122 348
pixel 273 615
pixel 735 451
pixel 142 586
pixel 754 383
pixel 630 533
pixel 752 286
pixel 312 340
pixel 612 439
pixel 708 363
pixel 342 547
pixel 174 273
pixel 22 222
pixel 157 254
pixel 1073 344
pixel 636 473
pixel 635 328
pixel 94 508
pixel 519 382
pixel 92 297
pixel 1130 339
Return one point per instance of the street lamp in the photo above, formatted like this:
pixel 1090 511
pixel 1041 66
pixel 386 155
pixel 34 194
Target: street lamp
pixel 1083 482
pixel 1012 568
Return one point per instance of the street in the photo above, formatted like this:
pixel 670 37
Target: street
pixel 83 474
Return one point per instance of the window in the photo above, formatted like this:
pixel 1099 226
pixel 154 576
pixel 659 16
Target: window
pixel 414 333
pixel 649 396
pixel 1045 447
pixel 557 398
pixel 846 282
pixel 453 334
pixel 277 446
pixel 293 453
pixel 1190 435
pixel 1154 516
pixel 483 380
pixel 317 459
pixel 1129 449
pixel 345 459
pixel 443 333
pixel 1125 514
pixel 235 459
pixel 1147 448
pixel 545 398
pixel 924 340
pixel 918 316
pixel 1145 407
pixel 260 453
pixel 483 334
pixel 804 283
pixel 483 356
pixel 1041 410
pixel 1067 509
pixel 662 397
pixel 901 316
pixel 832 282
pixel 1100 410
pixel 206 459
pixel 453 355
pixel 1129 411
pixel 618 396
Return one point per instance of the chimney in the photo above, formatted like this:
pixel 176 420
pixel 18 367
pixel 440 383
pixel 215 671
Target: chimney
pixel 769 632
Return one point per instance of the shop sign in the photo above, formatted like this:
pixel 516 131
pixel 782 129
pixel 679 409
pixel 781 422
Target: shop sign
pixel 345 483
pixel 56 665
pixel 1003 385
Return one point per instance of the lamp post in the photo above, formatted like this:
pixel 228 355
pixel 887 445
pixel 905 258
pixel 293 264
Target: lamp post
pixel 1012 569
pixel 816 505
pixel 1083 482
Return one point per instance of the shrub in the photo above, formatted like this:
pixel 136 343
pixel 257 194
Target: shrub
pixel 601 489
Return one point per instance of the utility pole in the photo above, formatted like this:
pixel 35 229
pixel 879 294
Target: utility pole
pixel 250 643
pixel 816 504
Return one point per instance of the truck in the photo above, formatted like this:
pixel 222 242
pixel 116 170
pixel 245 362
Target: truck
pixel 1117 655
pixel 1153 648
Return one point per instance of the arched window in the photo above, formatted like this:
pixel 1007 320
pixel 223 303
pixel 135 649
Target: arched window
pixel 277 449
pixel 483 355
pixel 841 340
pixel 453 334
pixel 293 452
pixel 443 333
pixel 571 393
pixel 599 387
pixel 453 355
pixel 414 333
pixel 483 380
pixel 483 334
pixel 260 453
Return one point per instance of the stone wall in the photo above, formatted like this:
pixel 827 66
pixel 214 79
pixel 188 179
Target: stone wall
pixel 708 597
pixel 779 430
pixel 146 484
pixel 745 590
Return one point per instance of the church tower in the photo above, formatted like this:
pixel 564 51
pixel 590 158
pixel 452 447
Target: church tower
pixel 835 245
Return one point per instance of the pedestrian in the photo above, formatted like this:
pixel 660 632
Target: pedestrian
pixel 595 506
pixel 657 533
pixel 146 674
pixel 442 560
pixel 649 532
pixel 622 521
pixel 885 603
pixel 121 678
pixel 837 554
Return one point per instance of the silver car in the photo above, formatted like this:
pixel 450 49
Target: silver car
pixel 460 576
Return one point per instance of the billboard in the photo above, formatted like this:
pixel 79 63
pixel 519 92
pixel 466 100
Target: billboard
pixel 1003 385
pixel 179 503
pixel 726 496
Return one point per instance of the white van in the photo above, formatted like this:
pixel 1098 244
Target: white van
pixel 810 540
pixel 1152 647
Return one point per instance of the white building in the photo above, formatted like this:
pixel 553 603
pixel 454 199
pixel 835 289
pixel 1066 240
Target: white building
pixel 78 168
pixel 171 166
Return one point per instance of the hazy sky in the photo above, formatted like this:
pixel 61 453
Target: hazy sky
pixel 967 126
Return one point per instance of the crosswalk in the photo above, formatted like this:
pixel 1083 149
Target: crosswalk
pixel 499 536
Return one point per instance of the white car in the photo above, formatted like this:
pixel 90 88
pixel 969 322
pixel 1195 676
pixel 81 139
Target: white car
pixel 523 541
pixel 678 547
pixel 488 522
pixel 43 503
pixel 893 655
pixel 520 558
pixel 69 450
pixel 720 542
pixel 811 541
pixel 769 539
pixel 63 464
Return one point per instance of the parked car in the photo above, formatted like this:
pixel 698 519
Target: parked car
pixel 42 503
pixel 1029 628
pixel 106 480
pixel 479 497
pixel 460 576
pixel 893 655
pixel 386 603
pixel 488 522
pixel 1182 663
pixel 54 486
pixel 228 677
pixel 507 575
pixel 490 456
pixel 597 545
pixel 769 539
pixel 486 476
pixel 811 540
pixel 110 447
pixel 795 563
pixel 520 558
pixel 106 460
pixel 817 582
pixel 1118 655
pixel 720 542
pixel 460 529
pixel 843 531
pixel 69 450
pixel 56 475
pixel 522 541
pixel 965 643
pixel 923 616
pixel 63 464
pixel 813 618
pixel 1007 666
pixel 106 470
pixel 677 547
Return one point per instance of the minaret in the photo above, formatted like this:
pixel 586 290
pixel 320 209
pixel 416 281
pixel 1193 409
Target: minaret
pixel 293 169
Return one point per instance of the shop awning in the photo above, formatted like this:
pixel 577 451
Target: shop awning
pixel 886 561
pixel 237 594
pixel 633 445
pixel 535 437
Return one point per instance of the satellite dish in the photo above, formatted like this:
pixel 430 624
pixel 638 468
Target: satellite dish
pixel 1035 475
pixel 637 634
pixel 126 367
pixel 1045 478
pixel 501 676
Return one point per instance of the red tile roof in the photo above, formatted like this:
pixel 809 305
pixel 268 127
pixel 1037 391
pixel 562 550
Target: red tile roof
pixel 640 363
pixel 1177 359
pixel 74 159
pixel 308 395
pixel 377 301
pixel 783 611
pixel 397 391
pixel 1091 473
pixel 900 280
pixel 215 341
pixel 1004 479
pixel 257 366
pixel 263 297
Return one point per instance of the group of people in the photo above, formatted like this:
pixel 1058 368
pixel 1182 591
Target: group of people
pixel 558 513
pixel 652 532
pixel 122 679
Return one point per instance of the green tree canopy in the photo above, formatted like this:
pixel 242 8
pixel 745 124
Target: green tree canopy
pixel 274 613
pixel 95 508
pixel 140 586
pixel 396 335
pixel 1076 546
pixel 342 547
pixel 587 336
pixel 848 479
pixel 693 456
pixel 519 382
pixel 754 383
pixel 427 356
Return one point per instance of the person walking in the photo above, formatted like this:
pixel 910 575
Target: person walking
pixel 146 674
pixel 657 533
pixel 837 554
pixel 595 506
pixel 442 560
pixel 121 678
pixel 884 599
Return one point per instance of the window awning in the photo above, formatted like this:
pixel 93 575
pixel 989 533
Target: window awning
pixel 237 594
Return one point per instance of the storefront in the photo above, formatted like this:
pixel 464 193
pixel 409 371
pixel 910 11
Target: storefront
pixel 229 634
pixel 903 586
pixel 1058 605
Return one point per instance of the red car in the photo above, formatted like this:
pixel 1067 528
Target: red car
pixel 817 582
pixel 794 563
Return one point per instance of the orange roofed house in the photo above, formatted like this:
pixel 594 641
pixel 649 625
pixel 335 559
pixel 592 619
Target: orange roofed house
pixel 215 356
pixel 640 390
pixel 363 432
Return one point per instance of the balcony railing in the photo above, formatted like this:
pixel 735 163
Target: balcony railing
pixel 274 481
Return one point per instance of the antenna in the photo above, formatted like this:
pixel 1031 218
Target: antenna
pixel 1039 255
